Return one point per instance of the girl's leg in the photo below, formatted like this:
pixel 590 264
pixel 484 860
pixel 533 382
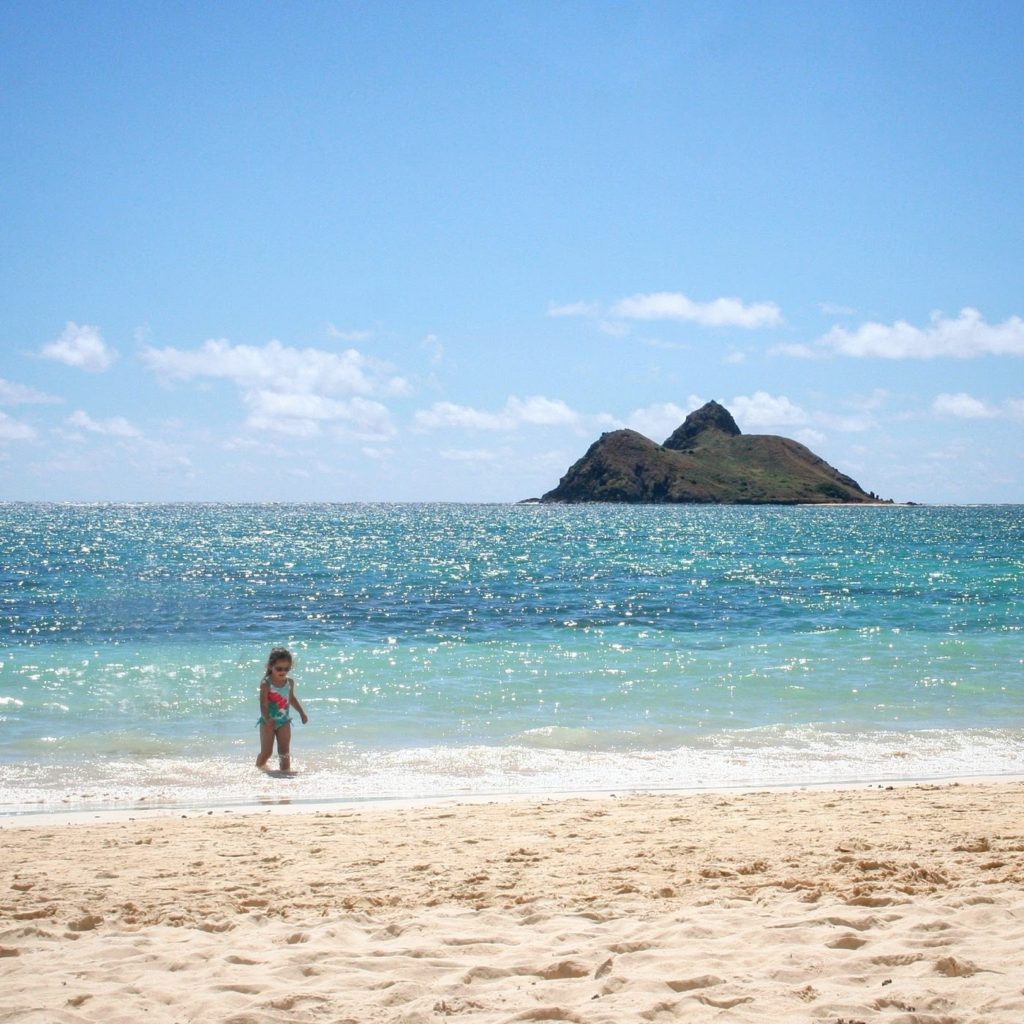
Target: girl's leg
pixel 266 744
pixel 284 743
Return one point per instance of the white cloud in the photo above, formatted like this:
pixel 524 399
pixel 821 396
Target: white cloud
pixel 723 312
pixel 288 405
pixel 290 390
pixel 116 426
pixel 449 414
pixel 533 411
pixel 966 337
pixel 657 421
pixel 301 415
pixel 962 406
pixel 810 437
pixel 14 430
pixel 574 309
pixel 349 336
pixel 763 410
pixel 735 358
pixel 22 394
pixel 540 411
pixel 613 329
pixel 305 371
pixel 82 347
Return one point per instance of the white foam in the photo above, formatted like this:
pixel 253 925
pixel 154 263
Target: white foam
pixel 756 758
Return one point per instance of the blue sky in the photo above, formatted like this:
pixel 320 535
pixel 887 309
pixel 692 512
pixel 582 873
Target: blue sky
pixel 429 251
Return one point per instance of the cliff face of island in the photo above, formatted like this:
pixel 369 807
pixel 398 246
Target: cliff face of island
pixel 706 460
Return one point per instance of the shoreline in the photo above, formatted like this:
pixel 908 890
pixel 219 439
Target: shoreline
pixel 894 903
pixel 164 785
pixel 312 806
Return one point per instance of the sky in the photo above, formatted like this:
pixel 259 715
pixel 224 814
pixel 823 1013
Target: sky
pixel 430 251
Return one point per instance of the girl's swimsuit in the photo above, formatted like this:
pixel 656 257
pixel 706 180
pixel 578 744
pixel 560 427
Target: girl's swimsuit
pixel 277 704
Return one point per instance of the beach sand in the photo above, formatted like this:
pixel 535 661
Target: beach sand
pixel 898 904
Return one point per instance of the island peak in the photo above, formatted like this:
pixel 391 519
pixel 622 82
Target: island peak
pixel 709 420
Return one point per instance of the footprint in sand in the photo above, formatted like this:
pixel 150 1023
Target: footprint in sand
pixel 953 968
pixel 662 1009
pixel 549 1013
pixel 86 923
pixel 896 959
pixel 893 1004
pixel 861 925
pixel 629 947
pixel 870 901
pixel 564 969
pixel 689 984
pixel 485 973
pixel 724 1004
pixel 34 915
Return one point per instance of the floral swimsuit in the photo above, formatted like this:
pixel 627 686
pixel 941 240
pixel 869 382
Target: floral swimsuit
pixel 278 699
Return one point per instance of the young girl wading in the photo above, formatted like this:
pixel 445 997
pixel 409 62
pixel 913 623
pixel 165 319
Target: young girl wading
pixel 277 695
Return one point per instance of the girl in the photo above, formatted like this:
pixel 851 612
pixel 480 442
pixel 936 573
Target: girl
pixel 277 695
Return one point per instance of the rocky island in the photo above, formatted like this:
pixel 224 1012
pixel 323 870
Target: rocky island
pixel 708 460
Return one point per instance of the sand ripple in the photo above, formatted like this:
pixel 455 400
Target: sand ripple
pixel 901 905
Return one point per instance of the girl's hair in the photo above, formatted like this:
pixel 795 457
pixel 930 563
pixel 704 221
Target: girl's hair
pixel 276 655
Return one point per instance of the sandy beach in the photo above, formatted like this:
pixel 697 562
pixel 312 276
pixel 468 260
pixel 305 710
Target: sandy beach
pixel 900 904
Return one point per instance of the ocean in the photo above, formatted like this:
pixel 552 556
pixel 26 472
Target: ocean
pixel 455 650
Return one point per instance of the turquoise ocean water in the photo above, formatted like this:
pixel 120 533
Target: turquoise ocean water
pixel 452 649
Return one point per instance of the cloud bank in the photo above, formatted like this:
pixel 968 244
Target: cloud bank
pixel 536 411
pixel 966 336
pixel 291 390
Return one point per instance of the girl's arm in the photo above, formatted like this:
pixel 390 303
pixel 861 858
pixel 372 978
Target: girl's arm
pixel 294 701
pixel 264 710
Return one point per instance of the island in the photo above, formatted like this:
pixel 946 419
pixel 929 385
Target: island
pixel 707 460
